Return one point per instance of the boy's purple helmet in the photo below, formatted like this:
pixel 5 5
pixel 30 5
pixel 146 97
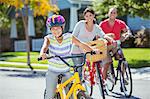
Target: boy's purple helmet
pixel 55 20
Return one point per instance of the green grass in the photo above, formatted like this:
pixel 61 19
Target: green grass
pixel 137 57
pixel 21 57
pixel 23 66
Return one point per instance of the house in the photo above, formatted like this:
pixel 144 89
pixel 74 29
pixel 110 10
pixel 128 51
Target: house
pixel 72 11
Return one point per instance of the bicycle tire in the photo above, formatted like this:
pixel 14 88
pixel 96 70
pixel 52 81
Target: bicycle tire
pixel 82 95
pixel 88 87
pixel 57 96
pixel 111 78
pixel 86 80
pixel 126 79
pixel 44 93
pixel 100 82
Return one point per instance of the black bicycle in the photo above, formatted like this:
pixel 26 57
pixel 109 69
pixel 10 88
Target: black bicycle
pixel 122 73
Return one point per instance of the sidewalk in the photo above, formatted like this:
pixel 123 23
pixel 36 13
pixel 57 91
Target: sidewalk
pixel 140 73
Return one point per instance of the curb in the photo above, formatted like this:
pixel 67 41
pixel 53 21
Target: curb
pixel 39 71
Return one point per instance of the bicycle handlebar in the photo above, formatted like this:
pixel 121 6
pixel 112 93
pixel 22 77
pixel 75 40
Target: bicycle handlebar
pixel 73 56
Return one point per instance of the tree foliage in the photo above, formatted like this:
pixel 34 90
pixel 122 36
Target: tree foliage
pixel 39 7
pixel 139 8
pixel 4 21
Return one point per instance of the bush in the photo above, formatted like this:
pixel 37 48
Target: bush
pixel 142 38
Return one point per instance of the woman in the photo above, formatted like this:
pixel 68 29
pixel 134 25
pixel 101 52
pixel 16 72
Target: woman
pixel 86 30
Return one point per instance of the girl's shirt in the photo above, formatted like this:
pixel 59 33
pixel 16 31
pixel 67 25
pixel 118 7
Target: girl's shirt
pixel 84 35
pixel 60 49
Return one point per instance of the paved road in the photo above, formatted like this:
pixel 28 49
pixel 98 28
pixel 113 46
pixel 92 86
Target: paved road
pixel 16 84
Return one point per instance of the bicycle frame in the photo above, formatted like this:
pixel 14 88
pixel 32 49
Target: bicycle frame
pixel 74 88
pixel 92 71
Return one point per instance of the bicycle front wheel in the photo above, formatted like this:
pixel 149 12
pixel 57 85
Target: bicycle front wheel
pixel 83 95
pixel 87 85
pixel 99 82
pixel 57 96
pixel 126 79
pixel 110 78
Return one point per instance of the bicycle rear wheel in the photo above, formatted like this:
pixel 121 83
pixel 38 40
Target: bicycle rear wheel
pixel 126 79
pixel 110 78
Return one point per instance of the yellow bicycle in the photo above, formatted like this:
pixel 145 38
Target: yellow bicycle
pixel 77 91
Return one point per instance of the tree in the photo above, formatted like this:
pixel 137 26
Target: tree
pixel 139 8
pixel 39 8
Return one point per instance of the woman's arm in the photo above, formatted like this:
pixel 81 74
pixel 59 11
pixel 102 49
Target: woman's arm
pixel 44 48
pixel 82 45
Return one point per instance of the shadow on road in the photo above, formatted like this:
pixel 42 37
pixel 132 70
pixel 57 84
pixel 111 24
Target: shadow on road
pixel 23 74
pixel 120 96
pixel 27 75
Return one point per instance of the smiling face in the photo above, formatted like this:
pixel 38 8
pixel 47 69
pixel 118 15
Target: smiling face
pixel 112 13
pixel 89 17
pixel 56 31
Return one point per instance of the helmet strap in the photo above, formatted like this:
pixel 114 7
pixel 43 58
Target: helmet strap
pixel 60 36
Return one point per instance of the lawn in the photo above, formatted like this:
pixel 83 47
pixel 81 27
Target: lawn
pixel 21 57
pixel 137 57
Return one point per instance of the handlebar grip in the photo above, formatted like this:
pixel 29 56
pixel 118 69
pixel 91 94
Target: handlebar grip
pixel 40 58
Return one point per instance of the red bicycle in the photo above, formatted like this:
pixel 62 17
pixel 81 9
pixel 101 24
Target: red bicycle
pixel 92 72
pixel 92 75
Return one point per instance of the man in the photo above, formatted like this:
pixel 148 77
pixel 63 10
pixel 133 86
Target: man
pixel 113 27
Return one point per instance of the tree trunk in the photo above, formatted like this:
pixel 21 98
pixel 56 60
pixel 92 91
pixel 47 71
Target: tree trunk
pixel 25 23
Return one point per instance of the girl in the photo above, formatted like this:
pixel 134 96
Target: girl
pixel 58 44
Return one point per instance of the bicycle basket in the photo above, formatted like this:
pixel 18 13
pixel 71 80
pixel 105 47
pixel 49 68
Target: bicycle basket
pixel 101 45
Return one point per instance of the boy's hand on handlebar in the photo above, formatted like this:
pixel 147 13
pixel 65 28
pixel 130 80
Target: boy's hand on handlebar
pixel 43 56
